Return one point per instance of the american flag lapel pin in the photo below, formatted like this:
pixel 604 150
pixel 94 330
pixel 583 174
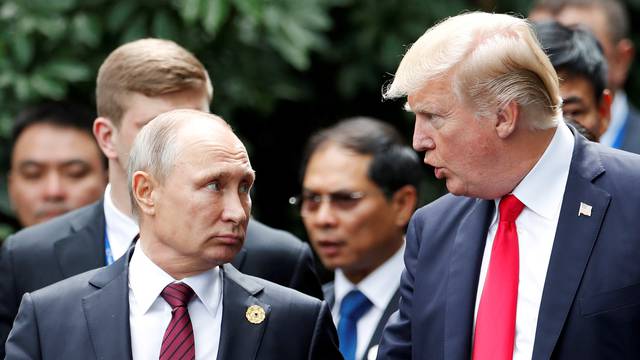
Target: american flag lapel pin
pixel 584 210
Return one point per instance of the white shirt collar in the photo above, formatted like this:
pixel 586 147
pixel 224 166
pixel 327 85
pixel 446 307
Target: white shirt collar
pixel 553 165
pixel 377 285
pixel 147 280
pixel 121 229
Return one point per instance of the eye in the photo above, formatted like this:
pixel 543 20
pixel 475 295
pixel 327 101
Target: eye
pixel 214 186
pixel 244 188
pixel 346 200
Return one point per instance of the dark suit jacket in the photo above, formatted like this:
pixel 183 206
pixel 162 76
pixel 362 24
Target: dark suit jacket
pixel 330 296
pixel 87 317
pixel 631 140
pixel 74 243
pixel 590 305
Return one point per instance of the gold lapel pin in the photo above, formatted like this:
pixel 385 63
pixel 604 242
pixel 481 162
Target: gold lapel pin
pixel 255 314
pixel 584 210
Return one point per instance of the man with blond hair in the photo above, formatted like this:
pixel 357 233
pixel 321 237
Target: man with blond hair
pixel 136 82
pixel 174 295
pixel 530 256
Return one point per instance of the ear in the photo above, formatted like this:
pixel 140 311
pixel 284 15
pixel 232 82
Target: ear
pixel 105 133
pixel 404 203
pixel 144 185
pixel 604 110
pixel 624 53
pixel 507 119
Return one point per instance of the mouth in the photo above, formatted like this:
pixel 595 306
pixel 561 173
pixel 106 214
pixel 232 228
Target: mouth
pixel 229 239
pixel 329 248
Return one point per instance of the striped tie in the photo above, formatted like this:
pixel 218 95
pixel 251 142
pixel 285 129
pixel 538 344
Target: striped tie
pixel 178 341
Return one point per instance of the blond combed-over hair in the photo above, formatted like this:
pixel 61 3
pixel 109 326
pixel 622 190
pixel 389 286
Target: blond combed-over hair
pixel 492 59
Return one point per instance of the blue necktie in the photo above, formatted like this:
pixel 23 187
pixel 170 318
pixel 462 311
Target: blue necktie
pixel 353 306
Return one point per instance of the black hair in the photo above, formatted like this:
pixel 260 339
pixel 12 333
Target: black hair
pixel 62 114
pixel 394 164
pixel 574 51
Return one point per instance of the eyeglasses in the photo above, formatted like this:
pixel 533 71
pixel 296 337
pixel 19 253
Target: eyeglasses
pixel 310 202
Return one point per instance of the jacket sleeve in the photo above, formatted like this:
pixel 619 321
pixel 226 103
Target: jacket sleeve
pixel 8 297
pixel 324 344
pixel 24 339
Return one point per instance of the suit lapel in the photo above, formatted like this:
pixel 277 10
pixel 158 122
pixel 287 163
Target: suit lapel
pixel 107 311
pixel 572 246
pixel 239 338
pixel 377 333
pixel 84 249
pixel 466 258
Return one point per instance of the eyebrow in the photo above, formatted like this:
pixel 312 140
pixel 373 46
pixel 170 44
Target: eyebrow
pixel 72 162
pixel 572 100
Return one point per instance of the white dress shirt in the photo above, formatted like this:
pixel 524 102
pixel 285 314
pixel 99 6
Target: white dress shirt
pixel 619 113
pixel 150 314
pixel 379 287
pixel 121 229
pixel 541 191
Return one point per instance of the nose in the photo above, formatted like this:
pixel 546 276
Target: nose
pixel 236 210
pixel 54 189
pixel 325 216
pixel 422 140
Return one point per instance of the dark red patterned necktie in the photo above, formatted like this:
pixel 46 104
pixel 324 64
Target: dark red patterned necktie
pixel 178 341
pixel 496 321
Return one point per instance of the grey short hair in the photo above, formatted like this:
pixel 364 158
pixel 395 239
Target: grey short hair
pixel 155 148
pixel 493 59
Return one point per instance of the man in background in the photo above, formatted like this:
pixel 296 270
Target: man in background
pixel 359 190
pixel 609 21
pixel 173 295
pixel 137 81
pixel 577 58
pixel 56 165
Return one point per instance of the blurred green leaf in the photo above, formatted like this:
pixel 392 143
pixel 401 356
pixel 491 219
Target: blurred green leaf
pixel 252 8
pixel 215 13
pixel 49 6
pixel 68 70
pixel 137 29
pixel 119 14
pixel 164 26
pixel 191 9
pixel 23 49
pixel 21 88
pixel 48 87
pixel 86 29
pixel 52 27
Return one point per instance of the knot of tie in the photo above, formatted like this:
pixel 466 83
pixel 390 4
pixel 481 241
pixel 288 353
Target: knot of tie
pixel 510 208
pixel 177 295
pixel 354 305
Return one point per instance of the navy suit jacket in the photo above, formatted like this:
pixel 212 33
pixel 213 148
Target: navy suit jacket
pixel 330 297
pixel 590 305
pixel 74 243
pixel 87 317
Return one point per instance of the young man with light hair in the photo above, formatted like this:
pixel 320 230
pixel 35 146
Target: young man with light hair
pixel 530 256
pixel 136 82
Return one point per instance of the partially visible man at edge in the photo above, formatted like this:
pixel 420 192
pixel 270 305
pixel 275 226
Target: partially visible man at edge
pixel 173 296
pixel 531 255
pixel 56 165
pixel 136 82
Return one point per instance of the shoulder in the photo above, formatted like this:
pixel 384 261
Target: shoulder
pixel 63 294
pixel 44 235
pixel 445 209
pixel 260 235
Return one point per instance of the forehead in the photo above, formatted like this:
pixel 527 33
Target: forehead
pixel 576 85
pixel 332 168
pixel 432 96
pixel 140 109
pixel 593 17
pixel 48 142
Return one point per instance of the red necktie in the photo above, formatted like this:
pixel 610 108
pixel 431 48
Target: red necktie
pixel 496 320
pixel 178 341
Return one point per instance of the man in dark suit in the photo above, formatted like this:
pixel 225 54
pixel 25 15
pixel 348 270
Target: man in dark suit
pixel 370 180
pixel 171 296
pixel 136 82
pixel 609 21
pixel 530 256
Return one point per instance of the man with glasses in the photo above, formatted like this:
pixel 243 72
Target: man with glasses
pixel 360 187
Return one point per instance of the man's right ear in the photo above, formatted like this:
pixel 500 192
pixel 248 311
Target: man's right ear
pixel 106 134
pixel 143 186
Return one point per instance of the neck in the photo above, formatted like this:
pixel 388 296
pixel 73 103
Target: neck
pixel 119 189
pixel 356 275
pixel 178 267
